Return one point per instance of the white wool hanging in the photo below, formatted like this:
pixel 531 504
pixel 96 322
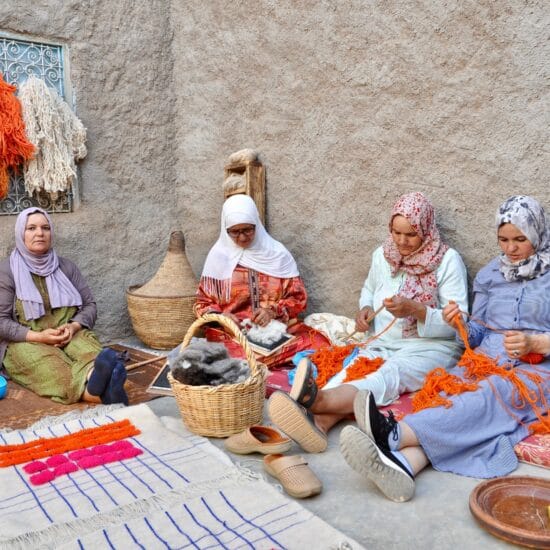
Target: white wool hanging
pixel 59 137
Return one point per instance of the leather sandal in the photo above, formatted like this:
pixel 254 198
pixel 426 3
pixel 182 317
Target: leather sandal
pixel 296 422
pixel 258 439
pixel 294 474
pixel 304 388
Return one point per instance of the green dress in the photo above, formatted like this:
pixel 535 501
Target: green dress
pixel 58 373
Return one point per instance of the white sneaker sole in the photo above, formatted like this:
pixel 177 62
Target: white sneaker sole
pixel 362 454
pixel 360 410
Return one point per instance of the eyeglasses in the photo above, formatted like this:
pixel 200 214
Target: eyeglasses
pixel 236 233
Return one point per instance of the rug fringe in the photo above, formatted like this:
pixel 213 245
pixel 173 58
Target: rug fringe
pixel 75 414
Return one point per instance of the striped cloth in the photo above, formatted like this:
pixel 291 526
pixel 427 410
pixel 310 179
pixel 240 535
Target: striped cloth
pixel 180 492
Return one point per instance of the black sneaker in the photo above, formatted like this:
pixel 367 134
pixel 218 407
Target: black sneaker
pixel 375 424
pixel 377 464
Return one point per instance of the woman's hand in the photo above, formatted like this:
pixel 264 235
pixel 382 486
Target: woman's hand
pixel 69 330
pixel 263 316
pixel 401 307
pixel 450 311
pixel 517 343
pixel 361 319
pixel 50 336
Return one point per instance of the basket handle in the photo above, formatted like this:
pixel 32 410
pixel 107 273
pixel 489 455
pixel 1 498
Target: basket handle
pixel 229 324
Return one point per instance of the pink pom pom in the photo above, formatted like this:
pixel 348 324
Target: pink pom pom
pixel 42 477
pixel 34 467
pixel 81 453
pixel 121 445
pixel 63 469
pixel 56 460
pixel 101 449
pixel 89 461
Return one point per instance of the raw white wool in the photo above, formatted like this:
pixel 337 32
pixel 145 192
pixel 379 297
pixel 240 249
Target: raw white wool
pixel 267 335
pixel 58 135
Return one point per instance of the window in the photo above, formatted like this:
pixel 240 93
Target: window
pixel 18 60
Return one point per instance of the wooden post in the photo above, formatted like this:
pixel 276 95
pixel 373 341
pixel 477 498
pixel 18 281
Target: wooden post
pixel 254 178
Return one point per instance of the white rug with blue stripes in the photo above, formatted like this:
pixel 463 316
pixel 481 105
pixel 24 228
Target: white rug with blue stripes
pixel 181 492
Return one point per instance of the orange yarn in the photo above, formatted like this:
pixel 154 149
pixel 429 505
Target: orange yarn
pixel 329 362
pixel 362 366
pixel 479 367
pixel 43 447
pixel 15 149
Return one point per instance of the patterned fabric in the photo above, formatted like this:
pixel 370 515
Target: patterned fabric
pixel 529 217
pixel 49 371
pixel 265 254
pixel 60 289
pixel 420 266
pixel 287 296
pixel 535 449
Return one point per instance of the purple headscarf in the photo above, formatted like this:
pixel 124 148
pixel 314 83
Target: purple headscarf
pixel 22 263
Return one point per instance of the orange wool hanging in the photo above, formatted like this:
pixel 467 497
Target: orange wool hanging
pixel 15 149
pixel 479 367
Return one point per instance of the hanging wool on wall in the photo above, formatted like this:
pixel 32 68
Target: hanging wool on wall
pixel 15 148
pixel 58 134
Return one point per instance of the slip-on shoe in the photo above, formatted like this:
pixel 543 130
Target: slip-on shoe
pixel 258 439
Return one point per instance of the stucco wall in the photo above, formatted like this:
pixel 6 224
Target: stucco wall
pixel 349 103
pixel 353 103
pixel 120 69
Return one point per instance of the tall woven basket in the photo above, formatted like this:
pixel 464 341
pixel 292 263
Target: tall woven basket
pixel 219 411
pixel 161 310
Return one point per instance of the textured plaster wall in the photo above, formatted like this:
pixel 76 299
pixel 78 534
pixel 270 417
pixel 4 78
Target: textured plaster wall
pixel 353 103
pixel 350 104
pixel 120 69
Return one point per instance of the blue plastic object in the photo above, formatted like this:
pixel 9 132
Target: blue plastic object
pixel 3 386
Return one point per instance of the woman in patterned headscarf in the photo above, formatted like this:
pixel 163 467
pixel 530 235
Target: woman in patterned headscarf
pixel 47 312
pixel 510 325
pixel 411 278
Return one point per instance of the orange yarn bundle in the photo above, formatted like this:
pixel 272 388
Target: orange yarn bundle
pixel 15 149
pixel 479 367
pixel 43 447
pixel 362 366
pixel 329 361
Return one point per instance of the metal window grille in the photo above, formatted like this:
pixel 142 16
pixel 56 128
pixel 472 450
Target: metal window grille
pixel 18 60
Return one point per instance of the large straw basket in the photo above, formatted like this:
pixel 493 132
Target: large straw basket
pixel 219 411
pixel 161 310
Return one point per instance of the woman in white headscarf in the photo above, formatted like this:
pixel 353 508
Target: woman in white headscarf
pixel 250 275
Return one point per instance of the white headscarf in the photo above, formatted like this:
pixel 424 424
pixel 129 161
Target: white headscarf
pixel 528 215
pixel 265 254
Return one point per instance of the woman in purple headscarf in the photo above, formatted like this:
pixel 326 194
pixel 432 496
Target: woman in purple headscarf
pixel 47 312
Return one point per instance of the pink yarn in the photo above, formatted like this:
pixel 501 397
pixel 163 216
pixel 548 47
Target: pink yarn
pixel 81 453
pixel 101 449
pixel 34 467
pixel 56 460
pixel 60 465
pixel 63 469
pixel 89 461
pixel 42 477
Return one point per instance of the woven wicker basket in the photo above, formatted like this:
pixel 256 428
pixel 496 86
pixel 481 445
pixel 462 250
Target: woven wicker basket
pixel 220 411
pixel 161 310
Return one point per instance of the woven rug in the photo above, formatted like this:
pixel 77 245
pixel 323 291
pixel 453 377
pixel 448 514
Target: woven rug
pixel 180 492
pixel 21 407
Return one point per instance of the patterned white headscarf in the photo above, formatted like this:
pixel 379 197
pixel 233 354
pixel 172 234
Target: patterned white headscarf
pixel 265 254
pixel 527 214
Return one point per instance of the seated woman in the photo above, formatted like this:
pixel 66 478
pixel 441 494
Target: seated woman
pixel 250 275
pixel 47 312
pixel 412 276
pixel 476 435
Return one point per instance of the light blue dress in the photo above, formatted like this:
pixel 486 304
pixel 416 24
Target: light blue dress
pixel 408 360
pixel 476 436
